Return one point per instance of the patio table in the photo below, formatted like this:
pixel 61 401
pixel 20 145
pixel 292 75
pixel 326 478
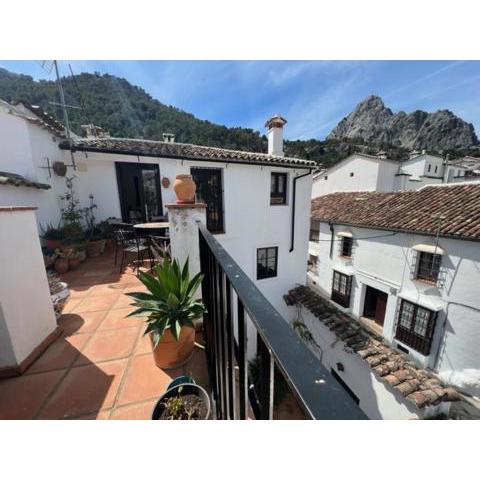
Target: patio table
pixel 150 228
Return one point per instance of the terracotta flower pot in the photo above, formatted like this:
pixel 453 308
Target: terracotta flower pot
pixel 185 188
pixel 61 265
pixel 95 248
pixel 171 353
pixel 53 244
pixel 73 263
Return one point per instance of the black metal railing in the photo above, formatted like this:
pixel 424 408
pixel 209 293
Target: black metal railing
pixel 231 299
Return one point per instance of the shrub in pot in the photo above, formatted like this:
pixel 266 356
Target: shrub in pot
pixel 73 261
pixel 61 263
pixel 96 242
pixel 169 309
pixel 53 236
pixel 186 401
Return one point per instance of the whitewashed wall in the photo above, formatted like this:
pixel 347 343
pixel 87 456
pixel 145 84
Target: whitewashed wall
pixel 26 310
pixel 385 263
pixel 369 174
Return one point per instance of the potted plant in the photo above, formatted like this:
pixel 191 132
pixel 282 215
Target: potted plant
pixel 61 263
pixel 73 260
pixel 53 236
pixel 170 309
pixel 187 401
pixel 184 188
pixel 49 256
pixel 96 242
pixel 81 248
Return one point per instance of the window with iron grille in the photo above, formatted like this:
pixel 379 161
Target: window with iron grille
pixel 267 262
pixel 312 264
pixel 341 288
pixel 278 188
pixel 314 232
pixel 428 266
pixel 347 243
pixel 415 327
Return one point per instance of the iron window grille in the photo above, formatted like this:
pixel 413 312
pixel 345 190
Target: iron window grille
pixel 312 264
pixel 428 267
pixel 314 231
pixel 267 262
pixel 347 243
pixel 341 288
pixel 278 189
pixel 415 327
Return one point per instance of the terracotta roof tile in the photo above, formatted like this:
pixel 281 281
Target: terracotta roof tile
pixel 129 146
pixel 417 385
pixel 15 180
pixel 453 210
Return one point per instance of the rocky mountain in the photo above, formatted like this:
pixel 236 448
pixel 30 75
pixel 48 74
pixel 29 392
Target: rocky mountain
pixel 374 123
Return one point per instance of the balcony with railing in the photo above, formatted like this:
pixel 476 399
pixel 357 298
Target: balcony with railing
pixel 233 301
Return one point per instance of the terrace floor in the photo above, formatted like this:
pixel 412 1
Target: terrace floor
pixel 102 366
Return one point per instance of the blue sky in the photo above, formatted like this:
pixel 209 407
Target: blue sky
pixel 312 95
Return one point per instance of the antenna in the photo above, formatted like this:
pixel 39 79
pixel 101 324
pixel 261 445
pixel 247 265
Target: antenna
pixel 65 113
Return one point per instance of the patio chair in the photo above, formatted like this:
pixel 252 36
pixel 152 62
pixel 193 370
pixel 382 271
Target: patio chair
pixel 118 238
pixel 130 243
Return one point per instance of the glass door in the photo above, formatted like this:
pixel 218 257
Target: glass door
pixel 139 191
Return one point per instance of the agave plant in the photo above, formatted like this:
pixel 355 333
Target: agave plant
pixel 169 303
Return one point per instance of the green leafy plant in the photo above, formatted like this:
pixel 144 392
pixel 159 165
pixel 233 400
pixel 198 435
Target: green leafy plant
pixel 52 233
pixel 170 302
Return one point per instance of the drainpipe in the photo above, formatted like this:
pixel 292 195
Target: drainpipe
pixel 332 231
pixel 294 193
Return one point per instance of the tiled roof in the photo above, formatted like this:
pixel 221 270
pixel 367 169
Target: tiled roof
pixel 185 151
pixel 453 210
pixel 40 118
pixel 19 181
pixel 393 368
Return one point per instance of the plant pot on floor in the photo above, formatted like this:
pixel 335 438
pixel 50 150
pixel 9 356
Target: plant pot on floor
pixel 186 401
pixel 53 244
pixel 61 265
pixel 74 262
pixel 95 248
pixel 171 353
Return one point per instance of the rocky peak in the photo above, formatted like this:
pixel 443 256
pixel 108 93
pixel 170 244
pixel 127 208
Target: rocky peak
pixel 373 122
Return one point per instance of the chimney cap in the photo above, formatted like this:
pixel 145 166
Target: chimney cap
pixel 275 121
pixel 168 137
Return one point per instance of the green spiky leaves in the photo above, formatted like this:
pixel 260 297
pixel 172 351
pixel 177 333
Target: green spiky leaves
pixel 169 302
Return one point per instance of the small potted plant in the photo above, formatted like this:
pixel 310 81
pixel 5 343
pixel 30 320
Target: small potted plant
pixel 61 263
pixel 96 242
pixel 169 309
pixel 187 401
pixel 53 236
pixel 73 260
pixel 81 248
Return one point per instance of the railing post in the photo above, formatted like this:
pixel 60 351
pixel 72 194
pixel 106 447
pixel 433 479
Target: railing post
pixel 230 350
pixel 266 380
pixel 242 360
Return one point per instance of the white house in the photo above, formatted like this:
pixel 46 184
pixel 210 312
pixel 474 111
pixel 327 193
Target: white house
pixel 405 267
pixel 255 201
pixel 368 173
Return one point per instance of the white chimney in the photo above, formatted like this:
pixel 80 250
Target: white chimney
pixel 168 137
pixel 275 135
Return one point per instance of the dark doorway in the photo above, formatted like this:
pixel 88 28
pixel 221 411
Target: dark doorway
pixel 375 305
pixel 210 191
pixel 139 190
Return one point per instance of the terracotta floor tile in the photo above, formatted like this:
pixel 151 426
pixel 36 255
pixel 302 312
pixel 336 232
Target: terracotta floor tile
pixel 100 415
pixel 144 344
pixel 135 288
pixel 144 381
pixel 105 289
pixel 122 302
pixel 109 345
pixel 117 318
pixel 94 304
pixel 138 411
pixel 85 390
pixel 75 323
pixel 71 304
pixel 61 354
pixel 97 272
pixel 21 397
